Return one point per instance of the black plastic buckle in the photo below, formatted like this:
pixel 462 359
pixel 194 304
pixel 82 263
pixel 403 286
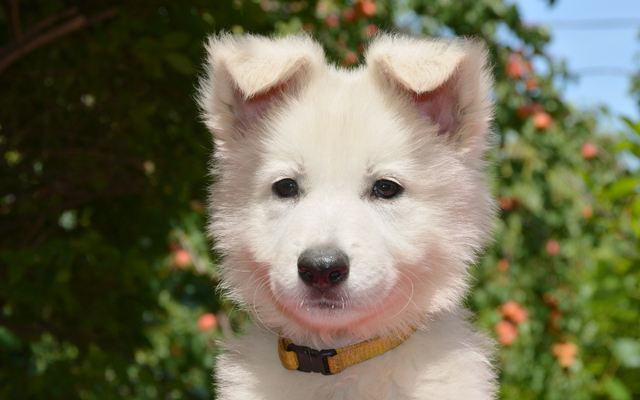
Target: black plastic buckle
pixel 312 360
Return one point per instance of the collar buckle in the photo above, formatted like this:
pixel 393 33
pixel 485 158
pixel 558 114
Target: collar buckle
pixel 312 360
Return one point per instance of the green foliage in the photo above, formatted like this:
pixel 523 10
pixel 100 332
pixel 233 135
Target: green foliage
pixel 105 271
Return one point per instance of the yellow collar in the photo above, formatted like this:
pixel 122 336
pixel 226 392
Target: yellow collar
pixel 334 361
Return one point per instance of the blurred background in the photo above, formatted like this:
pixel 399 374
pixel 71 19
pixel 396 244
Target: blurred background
pixel 107 283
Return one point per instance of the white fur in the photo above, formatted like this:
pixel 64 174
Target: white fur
pixel 418 114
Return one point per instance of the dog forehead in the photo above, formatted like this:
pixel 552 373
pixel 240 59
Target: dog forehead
pixel 341 122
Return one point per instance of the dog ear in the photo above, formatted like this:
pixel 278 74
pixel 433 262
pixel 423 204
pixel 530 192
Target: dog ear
pixel 247 74
pixel 447 80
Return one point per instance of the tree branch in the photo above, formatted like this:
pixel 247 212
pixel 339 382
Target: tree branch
pixel 48 21
pixel 13 14
pixel 34 30
pixel 13 53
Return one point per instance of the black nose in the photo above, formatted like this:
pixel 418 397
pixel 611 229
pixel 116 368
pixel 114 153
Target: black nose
pixel 323 268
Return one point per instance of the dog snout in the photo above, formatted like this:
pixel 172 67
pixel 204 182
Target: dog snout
pixel 323 268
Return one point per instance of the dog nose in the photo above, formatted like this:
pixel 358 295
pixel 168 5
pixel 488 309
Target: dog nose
pixel 323 268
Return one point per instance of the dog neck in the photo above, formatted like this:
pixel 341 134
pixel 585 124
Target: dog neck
pixel 334 361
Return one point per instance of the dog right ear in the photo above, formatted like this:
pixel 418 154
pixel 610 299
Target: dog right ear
pixel 247 75
pixel 447 81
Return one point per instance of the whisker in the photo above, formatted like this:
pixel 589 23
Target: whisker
pixel 409 298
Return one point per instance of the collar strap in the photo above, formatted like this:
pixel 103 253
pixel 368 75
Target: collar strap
pixel 334 361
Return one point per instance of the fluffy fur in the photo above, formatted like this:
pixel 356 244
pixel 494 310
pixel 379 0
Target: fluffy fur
pixel 418 114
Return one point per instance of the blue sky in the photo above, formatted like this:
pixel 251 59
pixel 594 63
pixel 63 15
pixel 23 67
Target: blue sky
pixel 602 57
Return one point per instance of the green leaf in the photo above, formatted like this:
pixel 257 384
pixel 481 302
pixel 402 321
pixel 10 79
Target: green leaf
pixel 635 208
pixel 623 145
pixel 8 341
pixel 180 63
pixel 174 40
pixel 628 351
pixel 146 49
pixel 633 125
pixel 617 390
pixel 621 188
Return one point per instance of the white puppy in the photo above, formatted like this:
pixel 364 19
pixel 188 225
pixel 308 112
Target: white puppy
pixel 349 205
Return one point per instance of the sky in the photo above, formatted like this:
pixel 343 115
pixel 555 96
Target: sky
pixel 600 41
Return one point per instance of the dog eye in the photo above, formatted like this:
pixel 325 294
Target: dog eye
pixel 285 188
pixel 385 189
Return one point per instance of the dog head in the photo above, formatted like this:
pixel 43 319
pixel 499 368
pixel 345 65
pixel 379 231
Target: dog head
pixel 347 203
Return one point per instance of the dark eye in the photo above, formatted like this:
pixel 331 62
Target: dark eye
pixel 385 189
pixel 285 188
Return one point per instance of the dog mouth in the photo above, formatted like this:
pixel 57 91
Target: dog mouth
pixel 334 308
pixel 328 304
pixel 323 308
pixel 341 307
pixel 323 300
pixel 322 305
pixel 316 302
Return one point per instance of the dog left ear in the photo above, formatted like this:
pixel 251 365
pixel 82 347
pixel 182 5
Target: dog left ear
pixel 447 80
pixel 249 75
